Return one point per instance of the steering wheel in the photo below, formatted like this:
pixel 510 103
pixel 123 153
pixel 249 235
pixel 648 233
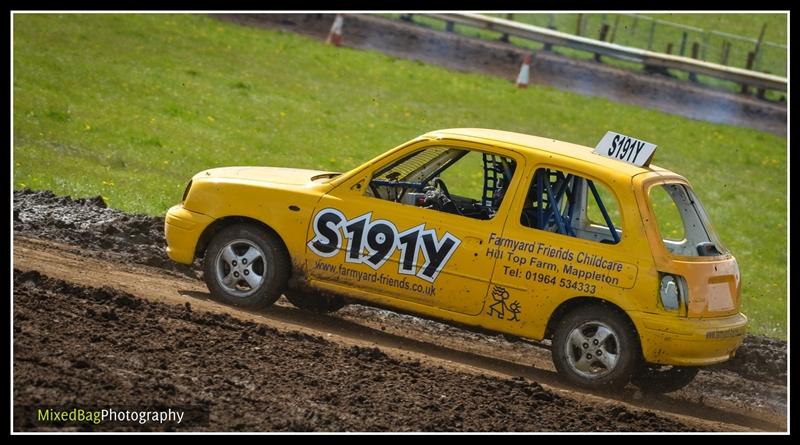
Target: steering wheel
pixel 439 184
pixel 439 197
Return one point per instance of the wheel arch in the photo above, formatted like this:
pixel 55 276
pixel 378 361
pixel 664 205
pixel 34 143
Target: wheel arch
pixel 573 303
pixel 221 223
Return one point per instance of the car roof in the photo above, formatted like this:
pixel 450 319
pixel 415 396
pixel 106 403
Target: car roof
pixel 528 144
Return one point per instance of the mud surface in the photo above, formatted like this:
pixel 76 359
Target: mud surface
pixel 84 346
pixel 756 377
pixel 761 359
pixel 120 349
pixel 89 223
pixel 454 51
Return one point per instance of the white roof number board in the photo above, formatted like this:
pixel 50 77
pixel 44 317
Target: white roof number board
pixel 626 149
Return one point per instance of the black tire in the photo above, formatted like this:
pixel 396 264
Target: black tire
pixel 269 263
pixel 315 301
pixel 655 379
pixel 578 360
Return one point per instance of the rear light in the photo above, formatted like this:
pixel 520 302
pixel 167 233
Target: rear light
pixel 674 293
pixel 186 192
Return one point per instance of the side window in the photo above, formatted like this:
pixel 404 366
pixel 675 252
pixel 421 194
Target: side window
pixel 571 205
pixel 455 180
pixel 683 222
pixel 668 217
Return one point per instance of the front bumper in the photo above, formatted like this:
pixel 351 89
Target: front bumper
pixel 182 230
pixel 681 341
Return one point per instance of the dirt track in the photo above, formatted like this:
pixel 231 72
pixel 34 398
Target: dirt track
pixel 110 325
pixel 454 51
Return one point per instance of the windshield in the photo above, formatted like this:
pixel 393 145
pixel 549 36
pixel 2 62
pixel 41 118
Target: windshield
pixel 455 180
pixel 683 224
pixel 419 167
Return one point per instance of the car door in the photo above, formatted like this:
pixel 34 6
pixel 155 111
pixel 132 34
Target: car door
pixel 389 244
pixel 563 238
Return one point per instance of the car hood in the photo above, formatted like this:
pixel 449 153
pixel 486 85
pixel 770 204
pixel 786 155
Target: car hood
pixel 274 175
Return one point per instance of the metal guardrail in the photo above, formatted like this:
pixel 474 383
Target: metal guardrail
pixel 648 58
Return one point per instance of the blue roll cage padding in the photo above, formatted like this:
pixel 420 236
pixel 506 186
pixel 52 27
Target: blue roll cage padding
pixel 539 203
pixel 573 202
pixel 554 203
pixel 603 210
pixel 552 212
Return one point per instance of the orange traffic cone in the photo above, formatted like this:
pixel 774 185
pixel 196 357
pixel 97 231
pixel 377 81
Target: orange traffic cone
pixel 524 76
pixel 335 35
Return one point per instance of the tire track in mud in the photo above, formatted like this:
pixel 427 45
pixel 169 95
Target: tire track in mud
pixel 70 264
pixel 72 344
pixel 733 396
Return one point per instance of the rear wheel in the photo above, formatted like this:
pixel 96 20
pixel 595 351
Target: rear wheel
pixel 596 347
pixel 246 266
pixel 315 301
pixel 658 379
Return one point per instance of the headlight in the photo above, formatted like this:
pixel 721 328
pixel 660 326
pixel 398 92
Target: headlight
pixel 673 292
pixel 186 192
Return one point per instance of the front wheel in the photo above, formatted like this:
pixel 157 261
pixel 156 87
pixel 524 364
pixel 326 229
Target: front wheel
pixel 246 266
pixel 596 347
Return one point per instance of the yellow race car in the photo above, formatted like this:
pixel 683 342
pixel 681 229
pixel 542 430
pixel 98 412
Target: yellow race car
pixel 611 258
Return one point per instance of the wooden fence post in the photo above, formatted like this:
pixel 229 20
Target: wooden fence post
pixel 683 43
pixel 603 33
pixel 695 54
pixel 757 50
pixel 504 37
pixel 705 45
pixel 761 92
pixel 550 25
pixel 751 56
pixel 726 50
pixel 549 46
pixel 650 38
pixel 614 30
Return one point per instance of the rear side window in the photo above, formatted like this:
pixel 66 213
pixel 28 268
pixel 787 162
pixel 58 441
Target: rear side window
pixel 682 221
pixel 670 224
pixel 572 205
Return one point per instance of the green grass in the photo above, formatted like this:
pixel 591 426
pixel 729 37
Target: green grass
pixel 130 106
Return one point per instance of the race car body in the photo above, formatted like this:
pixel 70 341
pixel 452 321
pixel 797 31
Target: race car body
pixel 613 259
